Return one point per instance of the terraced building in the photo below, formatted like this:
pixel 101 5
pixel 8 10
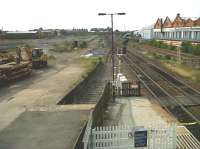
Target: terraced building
pixel 180 29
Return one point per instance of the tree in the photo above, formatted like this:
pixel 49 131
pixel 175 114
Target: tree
pixel 55 33
pixel 63 32
pixel 83 44
pixel 75 44
pixel 94 30
pixel 108 29
pixel 40 29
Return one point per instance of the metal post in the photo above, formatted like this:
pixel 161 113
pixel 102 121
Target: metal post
pixel 179 54
pixel 113 60
pixel 112 50
pixel 119 64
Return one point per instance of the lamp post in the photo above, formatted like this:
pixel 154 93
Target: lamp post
pixel 112 50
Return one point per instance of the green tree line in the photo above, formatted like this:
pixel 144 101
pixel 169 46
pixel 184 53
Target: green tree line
pixel 186 46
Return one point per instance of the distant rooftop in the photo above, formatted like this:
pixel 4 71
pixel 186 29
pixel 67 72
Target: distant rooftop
pixel 21 32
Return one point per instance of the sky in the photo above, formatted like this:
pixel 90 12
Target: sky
pixel 67 14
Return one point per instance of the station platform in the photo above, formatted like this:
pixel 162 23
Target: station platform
pixel 141 111
pixel 46 127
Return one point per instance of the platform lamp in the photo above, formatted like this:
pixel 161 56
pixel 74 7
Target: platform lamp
pixel 112 48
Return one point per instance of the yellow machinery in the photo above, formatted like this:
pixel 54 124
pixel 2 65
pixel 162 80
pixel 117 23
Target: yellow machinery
pixel 15 67
pixel 37 56
pixel 6 58
pixel 12 68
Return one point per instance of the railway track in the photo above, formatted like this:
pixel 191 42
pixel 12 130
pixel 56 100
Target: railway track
pixel 172 94
pixel 93 89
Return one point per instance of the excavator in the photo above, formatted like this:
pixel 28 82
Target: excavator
pixel 17 66
pixel 36 56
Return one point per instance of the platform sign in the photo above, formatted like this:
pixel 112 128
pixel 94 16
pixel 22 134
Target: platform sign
pixel 140 138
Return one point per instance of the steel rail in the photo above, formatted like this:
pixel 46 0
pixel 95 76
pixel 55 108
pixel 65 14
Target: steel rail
pixel 187 95
pixel 163 90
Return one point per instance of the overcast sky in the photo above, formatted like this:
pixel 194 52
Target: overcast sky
pixel 30 14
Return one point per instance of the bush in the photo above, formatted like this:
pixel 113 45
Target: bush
pixel 186 47
pixel 196 50
pixel 63 47
pixel 74 44
pixel 83 44
pixel 157 56
pixel 167 57
pixel 189 48
pixel 51 57
pixel 158 44
pixel 171 47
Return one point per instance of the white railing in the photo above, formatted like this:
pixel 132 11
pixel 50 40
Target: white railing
pixel 88 133
pixel 162 136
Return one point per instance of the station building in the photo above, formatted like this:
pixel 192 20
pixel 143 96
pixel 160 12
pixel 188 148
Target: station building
pixel 181 28
pixel 147 32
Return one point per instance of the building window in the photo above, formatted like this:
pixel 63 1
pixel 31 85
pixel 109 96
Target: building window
pixel 173 35
pixel 184 35
pixel 195 36
pixel 198 36
pixel 179 35
pixel 190 35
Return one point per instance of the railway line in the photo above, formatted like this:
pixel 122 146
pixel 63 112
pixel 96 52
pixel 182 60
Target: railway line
pixel 173 95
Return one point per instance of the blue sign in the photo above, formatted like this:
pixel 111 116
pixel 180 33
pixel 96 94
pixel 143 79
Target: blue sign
pixel 140 138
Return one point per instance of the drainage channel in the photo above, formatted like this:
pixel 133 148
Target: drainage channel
pixel 91 88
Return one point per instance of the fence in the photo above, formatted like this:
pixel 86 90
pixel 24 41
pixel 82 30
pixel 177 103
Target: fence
pixel 96 115
pixel 125 137
pixel 78 144
pixel 128 89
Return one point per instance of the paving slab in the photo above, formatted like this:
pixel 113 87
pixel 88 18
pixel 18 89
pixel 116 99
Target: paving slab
pixel 44 130
pixel 46 92
pixel 138 111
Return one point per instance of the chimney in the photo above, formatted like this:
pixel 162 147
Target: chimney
pixel 178 14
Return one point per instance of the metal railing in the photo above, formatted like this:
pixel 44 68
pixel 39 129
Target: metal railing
pixel 162 136
pixel 128 89
pixel 96 115
pixel 101 106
